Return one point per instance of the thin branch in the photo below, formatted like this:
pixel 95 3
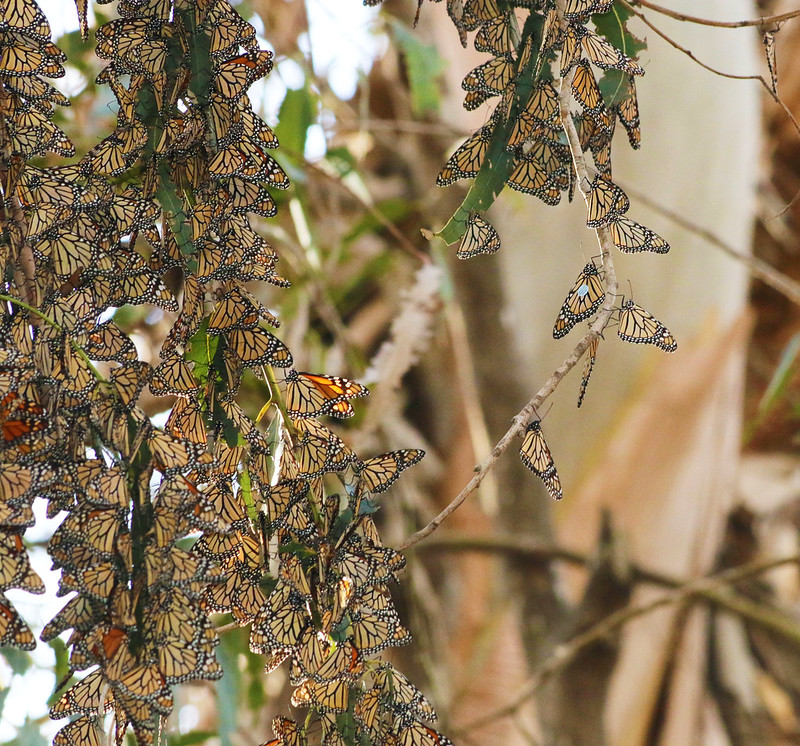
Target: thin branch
pixel 398 235
pixel 766 617
pixel 757 268
pixel 690 55
pixel 567 652
pixel 429 129
pixel 521 420
pixel 758 22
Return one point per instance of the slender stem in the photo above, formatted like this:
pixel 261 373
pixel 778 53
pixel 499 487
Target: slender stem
pixel 759 22
pixel 50 322
pixel 277 400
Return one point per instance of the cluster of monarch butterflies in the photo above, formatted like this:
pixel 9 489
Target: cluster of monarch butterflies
pixel 209 514
pixel 530 61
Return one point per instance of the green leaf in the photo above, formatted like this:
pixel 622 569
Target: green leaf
pixel 423 66
pixel 201 350
pixel 18 660
pixel 295 117
pixel 229 687
pixel 611 26
pixel 781 377
pixel 59 648
pixel 188 739
pixel 498 162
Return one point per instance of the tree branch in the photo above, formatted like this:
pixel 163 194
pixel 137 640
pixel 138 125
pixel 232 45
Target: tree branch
pixel 717 585
pixel 758 22
pixel 757 268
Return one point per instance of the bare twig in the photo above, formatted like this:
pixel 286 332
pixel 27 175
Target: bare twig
pixel 398 235
pixel 429 129
pixel 758 22
pixel 721 73
pixel 522 419
pixel 567 652
pixel 766 617
pixel 757 268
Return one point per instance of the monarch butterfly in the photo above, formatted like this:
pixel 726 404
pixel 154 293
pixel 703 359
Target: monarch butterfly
pixel 379 473
pixel 490 77
pixel 373 632
pixel 331 696
pixel 585 89
pixel 20 417
pixel 630 237
pixel 181 660
pixel 13 630
pixel 97 582
pixel 628 112
pixel 605 55
pixel 186 421
pixel 479 238
pixel 38 92
pixel 233 77
pixel 530 177
pixel 78 613
pixel 540 111
pixel 582 301
pixel 536 456
pixel 588 367
pixel 227 30
pixel 480 10
pixel 19 58
pixel 128 382
pixel 414 733
pixel 89 696
pixel 287 733
pixel 145 683
pixel 235 311
pixel 80 732
pixel 319 450
pixel 173 377
pixel 241 196
pixel 495 37
pixel 578 9
pixel 404 696
pixel 312 395
pixel 258 347
pixel 95 528
pixel 108 342
pixel 468 157
pixel 606 202
pixel 172 454
pixel 281 621
pixel 144 287
pixel 640 326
